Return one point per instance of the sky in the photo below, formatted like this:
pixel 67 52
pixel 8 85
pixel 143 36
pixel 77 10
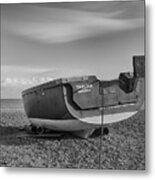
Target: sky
pixel 42 42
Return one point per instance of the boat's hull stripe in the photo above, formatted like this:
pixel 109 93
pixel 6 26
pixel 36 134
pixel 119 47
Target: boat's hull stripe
pixel 80 124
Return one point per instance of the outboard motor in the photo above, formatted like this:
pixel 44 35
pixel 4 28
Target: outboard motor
pixel 127 80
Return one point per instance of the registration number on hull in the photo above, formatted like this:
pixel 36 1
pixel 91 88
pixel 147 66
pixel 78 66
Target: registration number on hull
pixel 84 88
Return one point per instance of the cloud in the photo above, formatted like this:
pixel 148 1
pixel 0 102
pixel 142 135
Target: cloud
pixel 25 77
pixel 19 71
pixel 23 82
pixel 58 25
pixel 28 69
pixel 20 76
pixel 66 32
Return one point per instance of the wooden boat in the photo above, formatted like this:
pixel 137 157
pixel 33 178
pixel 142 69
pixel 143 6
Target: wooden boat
pixel 82 104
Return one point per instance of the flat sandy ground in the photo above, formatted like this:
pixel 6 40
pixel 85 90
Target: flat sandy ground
pixel 122 148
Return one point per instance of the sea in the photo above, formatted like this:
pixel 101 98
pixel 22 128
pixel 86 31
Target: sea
pixel 11 104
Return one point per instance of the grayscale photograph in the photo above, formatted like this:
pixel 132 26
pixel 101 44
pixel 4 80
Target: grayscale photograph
pixel 73 85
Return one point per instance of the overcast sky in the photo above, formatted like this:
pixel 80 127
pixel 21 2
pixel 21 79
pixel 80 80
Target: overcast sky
pixel 40 42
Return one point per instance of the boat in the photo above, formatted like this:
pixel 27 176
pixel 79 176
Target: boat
pixel 82 104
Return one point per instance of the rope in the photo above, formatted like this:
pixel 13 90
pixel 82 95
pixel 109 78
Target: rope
pixel 102 122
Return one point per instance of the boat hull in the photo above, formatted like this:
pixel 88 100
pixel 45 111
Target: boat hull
pixel 54 108
pixel 73 104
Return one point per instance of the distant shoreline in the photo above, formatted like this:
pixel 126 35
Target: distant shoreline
pixel 10 99
pixel 11 104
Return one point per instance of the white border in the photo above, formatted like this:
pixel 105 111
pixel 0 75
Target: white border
pixel 27 1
